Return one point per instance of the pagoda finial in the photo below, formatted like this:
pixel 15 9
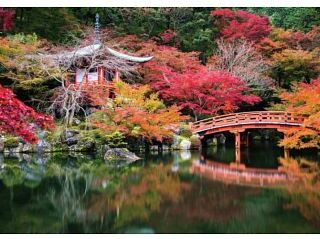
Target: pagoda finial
pixel 97 29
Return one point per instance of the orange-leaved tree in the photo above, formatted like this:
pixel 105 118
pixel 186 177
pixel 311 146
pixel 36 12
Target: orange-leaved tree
pixel 304 100
pixel 137 112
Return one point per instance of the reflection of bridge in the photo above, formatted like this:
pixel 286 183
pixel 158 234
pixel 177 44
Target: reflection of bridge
pixel 238 123
pixel 239 175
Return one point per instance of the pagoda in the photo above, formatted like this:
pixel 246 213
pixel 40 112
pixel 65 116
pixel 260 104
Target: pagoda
pixel 96 64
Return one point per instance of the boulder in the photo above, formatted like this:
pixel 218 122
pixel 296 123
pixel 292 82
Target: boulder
pixel 28 148
pixel 120 154
pixel 17 149
pixel 43 146
pixel 71 141
pixel 176 142
pixel 71 133
pixel 185 144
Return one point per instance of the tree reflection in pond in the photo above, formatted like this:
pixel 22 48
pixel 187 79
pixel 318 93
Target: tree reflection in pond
pixel 82 194
pixel 305 190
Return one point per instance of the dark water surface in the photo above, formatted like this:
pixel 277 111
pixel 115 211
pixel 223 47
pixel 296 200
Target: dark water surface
pixel 63 193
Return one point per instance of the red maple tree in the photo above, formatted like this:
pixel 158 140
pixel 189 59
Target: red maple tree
pixel 167 36
pixel 6 17
pixel 203 92
pixel 19 119
pixel 241 24
pixel 181 79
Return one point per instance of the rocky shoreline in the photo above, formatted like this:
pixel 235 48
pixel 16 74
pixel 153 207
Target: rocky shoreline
pixel 72 142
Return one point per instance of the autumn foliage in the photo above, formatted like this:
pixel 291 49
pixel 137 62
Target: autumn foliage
pixel 137 112
pixel 6 18
pixel 18 119
pixel 167 36
pixel 305 101
pixel 241 25
pixel 204 92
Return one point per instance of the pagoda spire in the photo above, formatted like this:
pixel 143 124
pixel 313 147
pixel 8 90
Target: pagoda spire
pixel 97 30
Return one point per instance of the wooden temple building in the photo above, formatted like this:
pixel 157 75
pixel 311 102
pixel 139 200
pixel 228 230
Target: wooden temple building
pixel 93 65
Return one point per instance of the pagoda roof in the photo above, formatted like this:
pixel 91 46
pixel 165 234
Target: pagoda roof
pixel 91 49
pixel 128 57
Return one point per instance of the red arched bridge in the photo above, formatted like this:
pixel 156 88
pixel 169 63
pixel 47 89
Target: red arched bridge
pixel 237 124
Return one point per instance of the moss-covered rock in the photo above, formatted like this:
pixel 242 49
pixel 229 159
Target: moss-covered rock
pixel 120 154
pixel 11 142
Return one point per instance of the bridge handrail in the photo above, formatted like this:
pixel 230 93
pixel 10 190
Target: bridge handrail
pixel 252 116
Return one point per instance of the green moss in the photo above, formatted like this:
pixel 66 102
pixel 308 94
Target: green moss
pixel 11 142
pixel 185 131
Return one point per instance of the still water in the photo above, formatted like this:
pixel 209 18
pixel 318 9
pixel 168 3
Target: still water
pixel 78 193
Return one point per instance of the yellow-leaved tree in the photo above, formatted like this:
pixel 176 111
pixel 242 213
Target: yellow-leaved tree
pixel 135 111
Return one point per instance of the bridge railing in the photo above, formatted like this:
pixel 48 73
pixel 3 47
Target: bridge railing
pixel 254 117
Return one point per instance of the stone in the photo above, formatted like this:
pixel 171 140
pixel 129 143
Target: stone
pixel 120 154
pixel 176 141
pixel 28 148
pixel 43 146
pixel 185 144
pixel 71 141
pixel 71 133
pixel 17 149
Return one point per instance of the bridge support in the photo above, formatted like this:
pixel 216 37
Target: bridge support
pixel 285 136
pixel 237 139
pixel 238 144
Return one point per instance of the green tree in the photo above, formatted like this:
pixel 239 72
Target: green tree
pixel 55 24
pixel 297 18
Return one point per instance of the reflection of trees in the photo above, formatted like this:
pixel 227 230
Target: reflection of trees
pixel 86 196
pixel 140 193
pixel 305 190
pixel 68 202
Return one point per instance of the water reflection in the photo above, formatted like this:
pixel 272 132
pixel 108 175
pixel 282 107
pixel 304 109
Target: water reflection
pixel 82 194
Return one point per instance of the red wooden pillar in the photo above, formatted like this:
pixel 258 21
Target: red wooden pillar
pixel 237 139
pixel 117 76
pixel 238 145
pixel 100 75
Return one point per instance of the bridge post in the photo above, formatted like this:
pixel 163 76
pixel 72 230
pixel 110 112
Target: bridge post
pixel 237 135
pixel 238 139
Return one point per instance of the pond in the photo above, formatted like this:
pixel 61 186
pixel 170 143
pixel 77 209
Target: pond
pixel 78 193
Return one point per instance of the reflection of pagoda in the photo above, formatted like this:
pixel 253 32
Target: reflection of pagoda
pixel 93 64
